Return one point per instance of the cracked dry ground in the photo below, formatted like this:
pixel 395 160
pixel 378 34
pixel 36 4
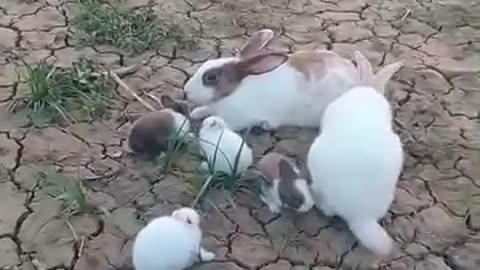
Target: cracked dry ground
pixel 435 219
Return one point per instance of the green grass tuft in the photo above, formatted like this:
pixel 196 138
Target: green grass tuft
pixel 73 194
pixel 291 238
pixel 53 93
pixel 134 31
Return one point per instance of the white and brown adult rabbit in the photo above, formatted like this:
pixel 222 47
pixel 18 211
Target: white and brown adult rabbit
pixel 170 242
pixel 356 160
pixel 221 146
pixel 283 185
pixel 270 89
pixel 152 132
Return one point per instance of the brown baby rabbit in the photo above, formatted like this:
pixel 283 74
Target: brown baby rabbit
pixel 152 132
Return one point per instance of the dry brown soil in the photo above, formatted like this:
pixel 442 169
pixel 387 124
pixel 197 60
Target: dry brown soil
pixel 435 219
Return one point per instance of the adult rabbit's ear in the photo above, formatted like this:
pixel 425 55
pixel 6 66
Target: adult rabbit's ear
pixel 379 80
pixel 261 63
pixel 256 43
pixel 382 77
pixel 364 68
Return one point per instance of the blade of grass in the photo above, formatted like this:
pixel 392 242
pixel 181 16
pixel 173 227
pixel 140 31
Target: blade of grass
pixel 175 142
pixel 203 190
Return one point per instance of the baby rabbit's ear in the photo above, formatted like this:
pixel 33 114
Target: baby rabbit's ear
pixel 256 43
pixel 177 106
pixel 285 170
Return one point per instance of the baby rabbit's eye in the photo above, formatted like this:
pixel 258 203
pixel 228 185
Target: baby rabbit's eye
pixel 209 79
pixel 189 221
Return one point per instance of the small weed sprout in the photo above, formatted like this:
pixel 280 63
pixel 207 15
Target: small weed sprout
pixel 74 197
pixel 72 194
pixel 194 181
pixel 54 93
pixel 135 31
pixel 290 238
pixel 89 89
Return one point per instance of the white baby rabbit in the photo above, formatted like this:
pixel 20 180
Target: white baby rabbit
pixel 170 242
pixel 215 133
pixel 271 89
pixel 151 134
pixel 283 185
pixel 356 160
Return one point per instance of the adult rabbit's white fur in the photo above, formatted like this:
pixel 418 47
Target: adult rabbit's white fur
pixel 356 160
pixel 270 89
pixel 170 242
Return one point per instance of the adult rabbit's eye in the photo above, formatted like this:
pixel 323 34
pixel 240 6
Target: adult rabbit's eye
pixel 209 79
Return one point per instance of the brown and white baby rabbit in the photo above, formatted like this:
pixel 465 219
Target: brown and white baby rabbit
pixel 152 132
pixel 283 185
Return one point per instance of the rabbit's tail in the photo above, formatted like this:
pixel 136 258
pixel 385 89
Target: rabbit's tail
pixel 372 236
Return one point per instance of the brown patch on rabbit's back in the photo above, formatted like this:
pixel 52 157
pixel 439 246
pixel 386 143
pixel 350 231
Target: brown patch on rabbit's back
pixel 317 63
pixel 269 166
pixel 288 192
pixel 149 134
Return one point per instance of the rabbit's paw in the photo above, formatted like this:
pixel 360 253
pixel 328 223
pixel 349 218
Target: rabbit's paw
pixel 200 113
pixel 266 126
pixel 206 256
pixel 275 209
pixel 261 127
pixel 256 130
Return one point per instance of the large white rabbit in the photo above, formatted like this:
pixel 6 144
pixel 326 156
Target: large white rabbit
pixel 270 89
pixel 356 160
pixel 170 242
